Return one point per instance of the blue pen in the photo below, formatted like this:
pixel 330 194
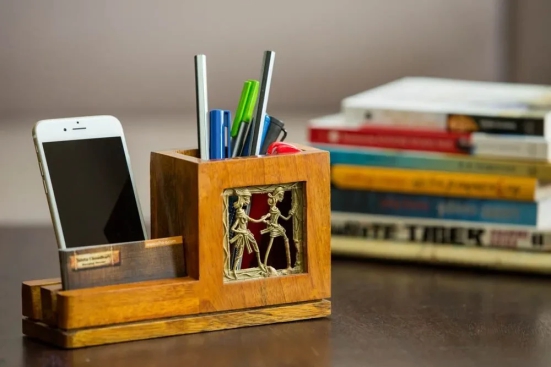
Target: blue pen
pixel 246 147
pixel 220 126
pixel 267 122
pixel 274 133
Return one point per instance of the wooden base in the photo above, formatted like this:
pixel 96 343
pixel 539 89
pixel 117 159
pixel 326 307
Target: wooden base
pixel 175 325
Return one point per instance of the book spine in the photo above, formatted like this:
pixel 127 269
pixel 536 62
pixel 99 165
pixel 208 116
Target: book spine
pixel 358 115
pixel 392 139
pixel 435 207
pixel 433 162
pixel 515 125
pixel 536 262
pixel 402 229
pixel 434 183
pixel 510 147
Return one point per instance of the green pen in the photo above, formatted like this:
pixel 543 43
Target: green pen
pixel 251 101
pixel 244 109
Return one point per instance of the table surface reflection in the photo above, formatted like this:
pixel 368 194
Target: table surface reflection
pixel 383 315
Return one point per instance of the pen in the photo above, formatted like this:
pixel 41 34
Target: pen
pixel 261 105
pixel 219 129
pixel 238 143
pixel 248 110
pixel 245 108
pixel 201 100
pixel 247 144
pixel 238 118
pixel 275 128
pixel 267 124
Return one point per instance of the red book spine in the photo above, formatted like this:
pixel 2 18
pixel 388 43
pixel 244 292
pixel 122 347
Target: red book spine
pixel 393 138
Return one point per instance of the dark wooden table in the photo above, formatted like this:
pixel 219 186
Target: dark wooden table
pixel 383 315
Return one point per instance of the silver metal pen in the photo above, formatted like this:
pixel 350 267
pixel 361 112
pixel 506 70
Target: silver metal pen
pixel 201 96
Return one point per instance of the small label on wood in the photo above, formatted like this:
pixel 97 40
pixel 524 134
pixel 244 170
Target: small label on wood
pixel 95 260
pixel 171 241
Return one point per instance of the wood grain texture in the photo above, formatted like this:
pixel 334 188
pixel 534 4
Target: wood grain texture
pixel 48 301
pixel 30 297
pixel 128 302
pixel 39 330
pixel 93 266
pixel 187 201
pixel 174 197
pixel 179 184
pixel 176 326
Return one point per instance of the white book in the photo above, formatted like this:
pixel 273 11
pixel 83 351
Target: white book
pixel 454 105
pixel 477 257
pixel 531 148
pixel 438 231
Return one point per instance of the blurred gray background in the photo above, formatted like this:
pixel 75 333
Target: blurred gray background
pixel 134 59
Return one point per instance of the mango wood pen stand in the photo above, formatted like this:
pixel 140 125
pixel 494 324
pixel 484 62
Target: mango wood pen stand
pixel 256 242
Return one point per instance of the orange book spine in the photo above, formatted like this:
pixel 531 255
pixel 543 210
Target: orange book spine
pixel 434 183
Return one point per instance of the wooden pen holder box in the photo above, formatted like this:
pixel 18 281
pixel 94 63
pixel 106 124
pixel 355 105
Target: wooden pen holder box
pixel 208 192
pixel 256 243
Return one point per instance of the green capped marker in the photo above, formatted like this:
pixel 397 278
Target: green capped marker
pixel 238 118
pixel 250 90
pixel 251 101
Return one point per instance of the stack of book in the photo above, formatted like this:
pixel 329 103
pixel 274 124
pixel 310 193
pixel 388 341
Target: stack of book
pixel 442 170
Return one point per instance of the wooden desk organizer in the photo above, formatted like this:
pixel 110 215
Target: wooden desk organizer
pixel 282 244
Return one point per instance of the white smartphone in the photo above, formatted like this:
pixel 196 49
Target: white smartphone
pixel 88 181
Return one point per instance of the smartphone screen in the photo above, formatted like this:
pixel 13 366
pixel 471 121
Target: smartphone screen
pixel 93 191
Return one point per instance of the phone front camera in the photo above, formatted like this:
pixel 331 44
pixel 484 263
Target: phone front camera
pixel 64 129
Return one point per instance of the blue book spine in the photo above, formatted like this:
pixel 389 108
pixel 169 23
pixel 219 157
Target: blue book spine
pixel 435 207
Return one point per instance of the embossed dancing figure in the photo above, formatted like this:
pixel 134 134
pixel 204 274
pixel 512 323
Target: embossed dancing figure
pixel 243 236
pixel 274 228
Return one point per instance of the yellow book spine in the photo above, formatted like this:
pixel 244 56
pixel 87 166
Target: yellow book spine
pixel 434 183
